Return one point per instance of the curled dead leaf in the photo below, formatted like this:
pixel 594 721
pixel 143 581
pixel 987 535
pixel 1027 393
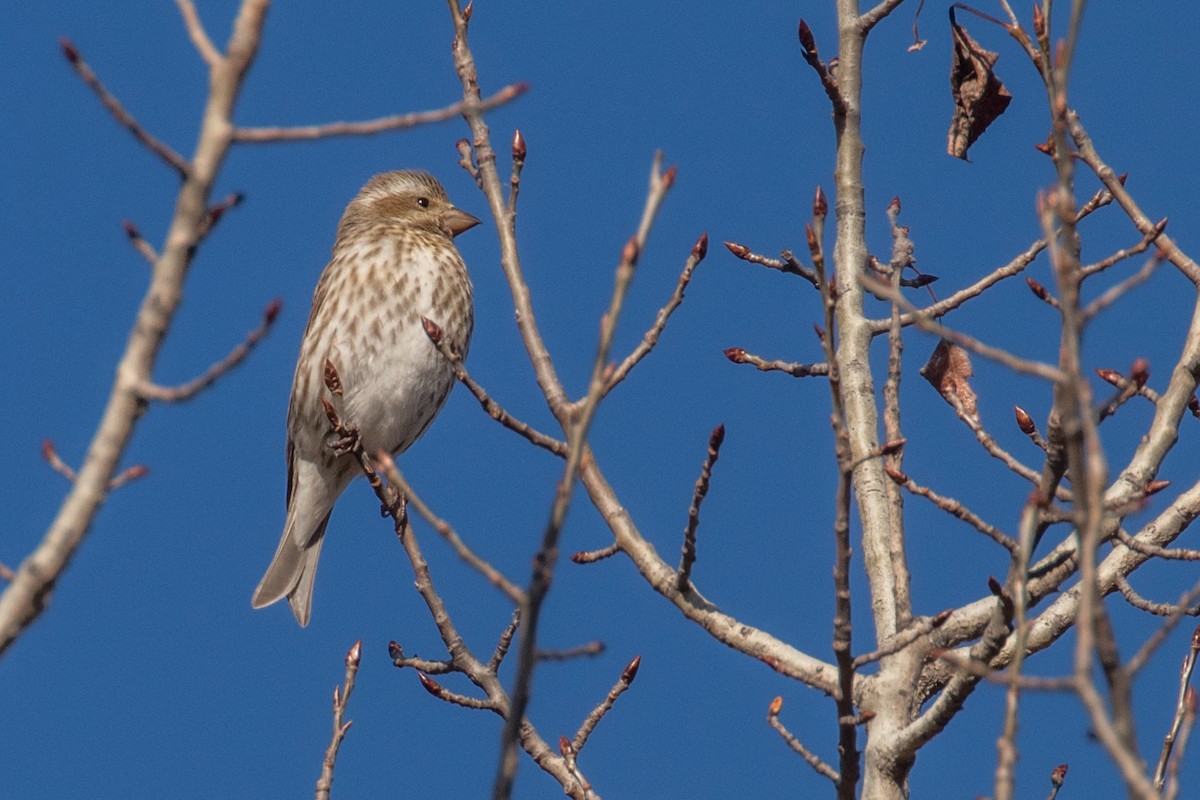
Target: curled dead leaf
pixel 948 369
pixel 979 96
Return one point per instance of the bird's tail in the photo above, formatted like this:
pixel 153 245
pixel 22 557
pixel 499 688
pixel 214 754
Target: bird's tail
pixel 292 572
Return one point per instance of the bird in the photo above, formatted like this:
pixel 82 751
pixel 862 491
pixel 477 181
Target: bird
pixel 394 261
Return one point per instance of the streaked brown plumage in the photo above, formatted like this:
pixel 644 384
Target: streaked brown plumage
pixel 394 261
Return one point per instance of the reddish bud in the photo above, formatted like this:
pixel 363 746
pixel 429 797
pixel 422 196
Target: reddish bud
pixel 1160 226
pixel 395 650
pixel 1191 700
pixel 1059 774
pixel 940 620
pixel 68 49
pixel 1048 147
pixel 1124 176
pixel 668 177
pixel 1038 289
pixel 135 472
pixel 467 11
pixel 631 670
pixel 700 248
pixel 272 310
pixel 48 451
pixel 806 38
pixel 565 747
pixel 896 475
pixel 820 204
pixel 716 437
pixel 1140 372
pixel 775 707
pixel 1194 405
pixel 819 331
pixel 994 586
pixel 810 237
pixel 893 447
pixel 354 656
pixel 629 254
pixel 1039 21
pixel 430 685
pixel 1110 375
pixel 518 146
pixel 739 250
pixel 432 330
pixel 735 354
pixel 1024 421
pixel 130 229
pixel 1154 487
pixel 893 208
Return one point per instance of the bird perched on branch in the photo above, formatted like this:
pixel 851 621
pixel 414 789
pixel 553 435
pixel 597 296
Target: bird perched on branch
pixel 394 262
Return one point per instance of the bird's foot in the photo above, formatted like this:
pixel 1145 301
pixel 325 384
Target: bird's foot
pixel 345 440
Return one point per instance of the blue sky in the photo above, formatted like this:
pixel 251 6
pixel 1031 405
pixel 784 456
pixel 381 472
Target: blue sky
pixel 150 676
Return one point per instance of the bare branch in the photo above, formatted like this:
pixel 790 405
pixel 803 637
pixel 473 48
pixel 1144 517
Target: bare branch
pixel 372 127
pixel 341 698
pixel 123 117
pixel 187 391
pixel 195 28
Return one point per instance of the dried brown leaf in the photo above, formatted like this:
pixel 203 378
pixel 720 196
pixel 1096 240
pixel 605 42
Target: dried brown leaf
pixel 948 369
pixel 979 96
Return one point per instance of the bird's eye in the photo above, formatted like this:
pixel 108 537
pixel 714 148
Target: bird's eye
pixel 423 202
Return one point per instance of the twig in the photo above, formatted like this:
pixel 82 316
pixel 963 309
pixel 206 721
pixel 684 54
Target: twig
pixel 650 339
pixel 1149 606
pixel 187 391
pixel 341 698
pixel 1119 290
pixel 1125 252
pixel 123 117
pixel 570 654
pixel 371 127
pixel 1181 705
pixel 925 323
pixel 1057 776
pixel 810 758
pixel 447 532
pixel 593 718
pixel 493 409
pixel 954 508
pixel 688 557
pixel 808 49
pixel 592 556
pixel 144 248
pixel 50 454
pixel 904 638
pixel 787 263
pixel 195 29
pixel 739 356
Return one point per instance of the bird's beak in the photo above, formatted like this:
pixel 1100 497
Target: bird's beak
pixel 458 221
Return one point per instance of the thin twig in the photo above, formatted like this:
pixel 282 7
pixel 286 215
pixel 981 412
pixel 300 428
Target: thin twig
pixel 341 698
pixel 144 248
pixel 810 758
pixel 593 718
pixel 650 339
pixel 739 356
pixel 187 391
pixel 372 127
pixel 123 117
pixel 954 508
pixel 493 409
pixel 447 532
pixel 195 29
pixel 1181 705
pixel 687 559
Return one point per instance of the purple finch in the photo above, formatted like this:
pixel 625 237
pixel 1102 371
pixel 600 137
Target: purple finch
pixel 394 262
